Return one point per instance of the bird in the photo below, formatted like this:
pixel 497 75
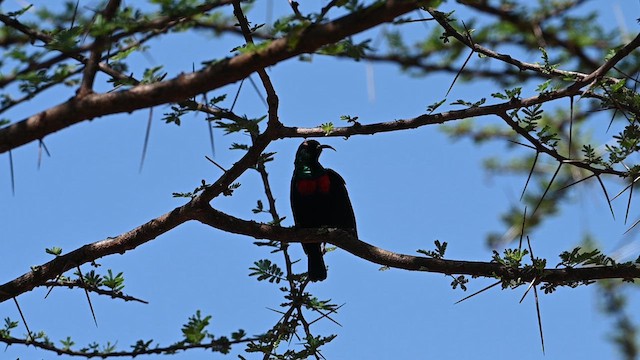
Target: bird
pixel 319 198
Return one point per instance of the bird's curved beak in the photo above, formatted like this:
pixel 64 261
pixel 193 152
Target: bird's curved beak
pixel 327 147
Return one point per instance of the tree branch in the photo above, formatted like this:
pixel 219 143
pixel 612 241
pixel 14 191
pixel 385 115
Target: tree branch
pixel 361 249
pixel 204 213
pixel 92 64
pixel 118 245
pixel 70 284
pixel 215 345
pixel 526 25
pixel 272 97
pixel 185 86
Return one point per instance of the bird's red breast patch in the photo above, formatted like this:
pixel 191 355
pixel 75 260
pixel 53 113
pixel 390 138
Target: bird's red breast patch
pixel 310 186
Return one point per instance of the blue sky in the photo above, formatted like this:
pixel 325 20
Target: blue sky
pixel 408 189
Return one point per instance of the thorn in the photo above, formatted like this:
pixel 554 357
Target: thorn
pixel 577 182
pixel 632 226
pixel 570 125
pixel 528 288
pixel 39 153
pixel 459 72
pixel 237 94
pixel 210 128
pixel 75 13
pixel 216 164
pixel 547 189
pixel 607 196
pixel 15 300
pixel 86 291
pixel 535 293
pixel 533 282
pixel 626 215
pixel 523 144
pixel 327 315
pixel 625 188
pixel 146 139
pixel 530 249
pixel 276 311
pixel 533 166
pixel 472 46
pixel 13 178
pixel 51 288
pixel 613 116
pixel 477 292
pixel 524 219
pixel 255 87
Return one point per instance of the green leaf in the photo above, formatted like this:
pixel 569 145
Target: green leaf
pixel 431 108
pixel 152 75
pixel 441 248
pixel 65 40
pixel 9 324
pixel 54 251
pixel 16 14
pixel 259 208
pixel 67 343
pixel 194 330
pixel 238 335
pixel 327 128
pixel 115 283
pixel 469 104
pixel 265 270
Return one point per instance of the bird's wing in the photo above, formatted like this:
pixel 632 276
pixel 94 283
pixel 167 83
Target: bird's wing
pixel 343 216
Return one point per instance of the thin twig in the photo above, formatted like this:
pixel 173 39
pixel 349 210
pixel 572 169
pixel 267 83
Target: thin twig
pixel 85 286
pixel 92 64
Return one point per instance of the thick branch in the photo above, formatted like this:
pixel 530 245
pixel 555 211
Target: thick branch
pixel 90 252
pixel 215 76
pixel 209 216
pixel 345 241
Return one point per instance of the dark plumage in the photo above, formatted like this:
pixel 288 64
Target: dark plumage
pixel 319 198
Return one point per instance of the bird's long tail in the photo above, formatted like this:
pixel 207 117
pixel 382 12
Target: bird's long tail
pixel 317 270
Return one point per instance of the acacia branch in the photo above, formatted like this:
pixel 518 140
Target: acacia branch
pixel 92 64
pixel 215 345
pixel 91 288
pixel 182 214
pixel 204 213
pixel 440 118
pixel 220 73
pixel 49 63
pixel 521 65
pixel 361 249
pixel 272 97
pixel 39 275
pixel 526 25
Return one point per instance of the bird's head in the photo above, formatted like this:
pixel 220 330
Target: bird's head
pixel 309 152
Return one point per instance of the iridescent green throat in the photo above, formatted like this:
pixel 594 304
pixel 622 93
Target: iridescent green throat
pixel 306 169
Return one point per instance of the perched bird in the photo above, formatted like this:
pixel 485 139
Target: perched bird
pixel 318 199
